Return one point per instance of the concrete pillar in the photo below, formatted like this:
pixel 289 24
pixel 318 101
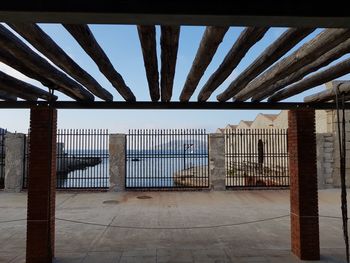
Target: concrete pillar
pixel 14 161
pixel 117 162
pixel 303 184
pixel 217 172
pixel 41 185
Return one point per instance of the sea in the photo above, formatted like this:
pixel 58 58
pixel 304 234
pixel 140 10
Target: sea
pixel 144 168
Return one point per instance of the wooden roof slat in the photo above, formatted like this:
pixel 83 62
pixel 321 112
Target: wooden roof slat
pixel 169 42
pixel 321 62
pixel 12 91
pixel 147 36
pixel 307 53
pixel 270 55
pixel 44 43
pixel 4 95
pixel 342 87
pixel 331 73
pixel 22 67
pixel 210 42
pixel 11 44
pixel 87 41
pixel 245 41
pixel 22 89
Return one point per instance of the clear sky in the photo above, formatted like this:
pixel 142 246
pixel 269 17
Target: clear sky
pixel 121 44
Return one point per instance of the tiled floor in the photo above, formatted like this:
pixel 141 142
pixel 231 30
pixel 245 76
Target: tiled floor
pixel 231 226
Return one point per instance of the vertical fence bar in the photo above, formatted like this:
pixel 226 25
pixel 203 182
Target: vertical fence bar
pixel 2 157
pixel 245 168
pixel 167 159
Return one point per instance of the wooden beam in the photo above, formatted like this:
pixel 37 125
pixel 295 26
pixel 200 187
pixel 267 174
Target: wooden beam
pixel 342 87
pixel 10 60
pixel 22 89
pixel 191 105
pixel 4 95
pixel 263 13
pixel 87 41
pixel 44 43
pixel 13 92
pixel 307 53
pixel 321 62
pixel 270 55
pixel 331 73
pixel 24 68
pixel 245 41
pixel 210 42
pixel 11 44
pixel 169 42
pixel 147 36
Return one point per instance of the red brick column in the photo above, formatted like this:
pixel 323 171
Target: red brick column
pixel 41 185
pixel 303 184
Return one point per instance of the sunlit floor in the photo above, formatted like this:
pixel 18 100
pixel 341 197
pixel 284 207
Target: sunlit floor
pixel 230 226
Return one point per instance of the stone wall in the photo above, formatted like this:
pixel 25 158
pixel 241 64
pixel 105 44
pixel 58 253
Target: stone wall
pixel 325 159
pixel 336 172
pixel 117 162
pixel 217 171
pixel 14 161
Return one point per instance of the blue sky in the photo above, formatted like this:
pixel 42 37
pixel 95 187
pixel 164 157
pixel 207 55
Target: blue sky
pixel 121 44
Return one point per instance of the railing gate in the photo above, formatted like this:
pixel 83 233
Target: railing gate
pixel 167 159
pixel 256 158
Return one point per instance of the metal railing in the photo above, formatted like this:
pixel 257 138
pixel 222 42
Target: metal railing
pixel 256 158
pixel 2 157
pixel 167 159
pixel 82 159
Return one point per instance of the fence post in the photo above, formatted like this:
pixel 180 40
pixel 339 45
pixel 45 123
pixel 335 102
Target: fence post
pixel 117 162
pixel 217 162
pixel 14 161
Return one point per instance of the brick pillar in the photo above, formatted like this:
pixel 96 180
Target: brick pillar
pixel 41 185
pixel 303 184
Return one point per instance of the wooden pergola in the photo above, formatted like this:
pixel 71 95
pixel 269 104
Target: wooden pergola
pixel 272 76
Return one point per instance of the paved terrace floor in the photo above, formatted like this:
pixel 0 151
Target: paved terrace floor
pixel 231 226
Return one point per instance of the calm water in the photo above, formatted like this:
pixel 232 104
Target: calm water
pixel 92 176
pixel 158 168
pixel 147 168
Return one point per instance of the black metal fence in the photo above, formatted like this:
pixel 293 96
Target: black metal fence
pixel 167 159
pixel 2 157
pixel 82 159
pixel 256 158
